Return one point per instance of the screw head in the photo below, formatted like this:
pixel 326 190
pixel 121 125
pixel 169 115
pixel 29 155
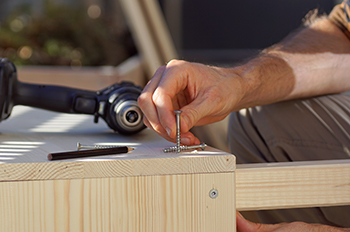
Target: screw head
pixel 213 193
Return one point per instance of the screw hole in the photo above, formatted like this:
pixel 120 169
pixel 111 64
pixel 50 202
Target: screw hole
pixel 213 193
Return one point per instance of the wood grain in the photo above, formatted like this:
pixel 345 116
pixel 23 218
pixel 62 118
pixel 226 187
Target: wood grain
pixel 31 134
pixel 144 190
pixel 134 204
pixel 55 170
pixel 293 185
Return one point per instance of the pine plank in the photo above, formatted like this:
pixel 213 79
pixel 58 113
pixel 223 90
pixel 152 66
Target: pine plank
pixel 293 185
pixel 171 203
pixel 29 135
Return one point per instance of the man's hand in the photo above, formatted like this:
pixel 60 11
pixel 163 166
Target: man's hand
pixel 204 94
pixel 244 225
pixel 310 63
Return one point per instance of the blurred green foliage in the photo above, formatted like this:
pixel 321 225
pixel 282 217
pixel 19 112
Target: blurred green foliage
pixel 63 35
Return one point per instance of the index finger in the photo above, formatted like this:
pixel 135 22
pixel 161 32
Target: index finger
pixel 166 95
pixel 146 104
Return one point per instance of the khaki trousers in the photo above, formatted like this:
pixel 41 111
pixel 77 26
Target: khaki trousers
pixel 298 130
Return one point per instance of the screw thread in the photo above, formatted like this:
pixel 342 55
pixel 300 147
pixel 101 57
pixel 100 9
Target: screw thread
pixel 183 148
pixel 82 146
pixel 178 131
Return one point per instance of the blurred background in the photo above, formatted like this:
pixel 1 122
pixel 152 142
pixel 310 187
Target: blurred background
pixel 225 31
pixel 63 32
pixel 91 44
pixel 94 32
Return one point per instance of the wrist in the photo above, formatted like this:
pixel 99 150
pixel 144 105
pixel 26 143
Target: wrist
pixel 265 79
pixel 234 87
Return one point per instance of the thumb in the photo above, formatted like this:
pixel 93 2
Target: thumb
pixel 194 112
pixel 190 117
pixel 244 225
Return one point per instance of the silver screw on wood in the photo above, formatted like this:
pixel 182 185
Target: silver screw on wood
pixel 213 193
pixel 178 138
pixel 82 146
pixel 184 148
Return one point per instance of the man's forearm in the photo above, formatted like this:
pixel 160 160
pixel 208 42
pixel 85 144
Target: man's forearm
pixel 313 62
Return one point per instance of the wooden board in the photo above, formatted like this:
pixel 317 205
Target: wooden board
pixel 145 190
pixel 293 185
pixel 29 135
pixel 165 203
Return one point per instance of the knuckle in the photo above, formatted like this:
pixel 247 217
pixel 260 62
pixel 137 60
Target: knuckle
pixel 157 96
pixel 173 62
pixel 176 63
pixel 142 99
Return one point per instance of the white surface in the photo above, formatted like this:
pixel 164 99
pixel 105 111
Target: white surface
pixel 30 134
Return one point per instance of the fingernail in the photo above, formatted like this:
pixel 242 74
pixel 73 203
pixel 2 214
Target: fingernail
pixel 185 141
pixel 168 131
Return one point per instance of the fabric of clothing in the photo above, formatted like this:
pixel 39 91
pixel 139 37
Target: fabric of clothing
pixel 298 130
pixel 316 128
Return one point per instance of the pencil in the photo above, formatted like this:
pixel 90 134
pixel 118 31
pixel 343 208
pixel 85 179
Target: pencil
pixel 88 153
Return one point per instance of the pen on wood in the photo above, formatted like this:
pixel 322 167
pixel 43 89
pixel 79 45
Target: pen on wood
pixel 88 153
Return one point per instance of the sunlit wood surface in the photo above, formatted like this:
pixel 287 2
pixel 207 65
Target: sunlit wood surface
pixel 145 190
pixel 293 185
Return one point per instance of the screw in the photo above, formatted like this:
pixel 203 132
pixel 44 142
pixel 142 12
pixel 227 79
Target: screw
pixel 82 146
pixel 183 148
pixel 213 193
pixel 178 138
